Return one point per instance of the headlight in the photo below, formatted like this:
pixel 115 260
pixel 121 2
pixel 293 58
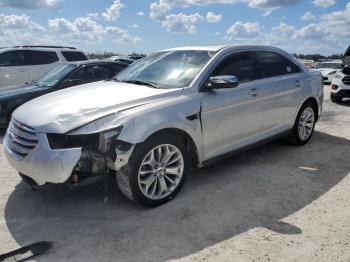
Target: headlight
pixel 62 141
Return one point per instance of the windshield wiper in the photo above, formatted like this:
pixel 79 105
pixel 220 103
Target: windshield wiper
pixel 139 82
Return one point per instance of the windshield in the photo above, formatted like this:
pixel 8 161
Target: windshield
pixel 169 69
pixel 329 65
pixel 56 74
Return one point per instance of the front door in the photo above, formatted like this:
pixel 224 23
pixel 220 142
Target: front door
pixel 232 118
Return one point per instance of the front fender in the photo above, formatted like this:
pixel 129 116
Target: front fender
pixel 142 122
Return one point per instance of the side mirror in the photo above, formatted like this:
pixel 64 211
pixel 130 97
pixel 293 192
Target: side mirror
pixel 224 81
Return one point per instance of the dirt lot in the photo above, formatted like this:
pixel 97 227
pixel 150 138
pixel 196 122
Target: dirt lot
pixel 274 203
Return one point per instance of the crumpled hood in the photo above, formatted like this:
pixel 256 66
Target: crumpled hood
pixel 64 110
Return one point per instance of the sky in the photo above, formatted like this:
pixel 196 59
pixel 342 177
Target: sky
pixel 146 26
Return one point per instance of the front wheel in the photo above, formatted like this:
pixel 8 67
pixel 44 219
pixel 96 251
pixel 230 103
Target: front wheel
pixel 304 125
pixel 156 170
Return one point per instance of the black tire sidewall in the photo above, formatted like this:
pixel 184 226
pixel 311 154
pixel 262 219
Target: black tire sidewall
pixel 140 153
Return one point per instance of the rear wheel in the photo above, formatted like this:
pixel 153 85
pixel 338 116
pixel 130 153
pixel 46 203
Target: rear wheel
pixel 156 170
pixel 304 125
pixel 336 99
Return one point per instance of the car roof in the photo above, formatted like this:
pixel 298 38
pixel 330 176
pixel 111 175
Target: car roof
pixel 95 61
pixel 40 48
pixel 216 48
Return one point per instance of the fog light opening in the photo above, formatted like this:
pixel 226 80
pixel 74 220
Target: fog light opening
pixel 334 87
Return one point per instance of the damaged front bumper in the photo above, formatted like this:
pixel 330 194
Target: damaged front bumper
pixel 42 164
pixel 47 158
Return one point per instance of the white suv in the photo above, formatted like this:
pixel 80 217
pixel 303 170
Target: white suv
pixel 23 64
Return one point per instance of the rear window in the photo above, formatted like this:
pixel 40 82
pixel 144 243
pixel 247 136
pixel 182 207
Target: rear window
pixel 272 64
pixel 72 56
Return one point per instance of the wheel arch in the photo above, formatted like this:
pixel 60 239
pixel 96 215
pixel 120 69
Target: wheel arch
pixel 186 138
pixel 312 100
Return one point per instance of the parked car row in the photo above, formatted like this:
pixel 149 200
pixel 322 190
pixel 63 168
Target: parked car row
pixel 24 64
pixel 174 110
pixel 62 76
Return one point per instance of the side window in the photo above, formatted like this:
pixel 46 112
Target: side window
pixel 272 64
pixel 39 57
pixel 240 65
pixel 101 71
pixel 84 74
pixel 115 69
pixel 72 56
pixel 12 58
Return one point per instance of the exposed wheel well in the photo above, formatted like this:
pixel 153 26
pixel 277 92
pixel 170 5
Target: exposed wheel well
pixel 314 102
pixel 187 140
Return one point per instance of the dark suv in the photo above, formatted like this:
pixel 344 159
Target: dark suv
pixel 60 77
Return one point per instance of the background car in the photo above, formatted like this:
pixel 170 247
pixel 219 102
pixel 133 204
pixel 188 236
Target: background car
pixel 23 64
pixel 60 77
pixel 340 86
pixel 123 59
pixel 328 69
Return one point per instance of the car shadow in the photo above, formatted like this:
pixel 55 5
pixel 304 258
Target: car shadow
pixel 258 188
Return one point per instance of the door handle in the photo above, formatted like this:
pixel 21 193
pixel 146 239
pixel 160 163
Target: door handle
pixel 297 83
pixel 21 70
pixel 253 92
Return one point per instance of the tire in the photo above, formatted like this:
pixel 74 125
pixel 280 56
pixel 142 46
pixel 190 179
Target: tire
pixel 132 183
pixel 296 136
pixel 336 99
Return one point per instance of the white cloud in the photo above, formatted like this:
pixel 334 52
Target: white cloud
pixel 32 4
pixel 113 12
pixel 18 22
pixel 308 16
pixel 323 3
pixel 181 23
pixel 61 25
pixel 213 18
pixel 121 36
pixel 243 30
pixel 140 13
pixel 135 26
pixel 158 10
pixel 87 29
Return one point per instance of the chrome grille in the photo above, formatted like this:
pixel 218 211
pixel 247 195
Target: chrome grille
pixel 20 139
pixel 346 80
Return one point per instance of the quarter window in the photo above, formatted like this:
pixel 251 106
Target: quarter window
pixel 240 65
pixel 272 64
pixel 72 56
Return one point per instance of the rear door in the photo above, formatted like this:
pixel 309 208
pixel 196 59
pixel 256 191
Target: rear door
pixel 280 86
pixel 39 63
pixel 12 68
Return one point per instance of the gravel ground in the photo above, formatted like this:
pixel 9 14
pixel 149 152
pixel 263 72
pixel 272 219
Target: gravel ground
pixel 274 203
